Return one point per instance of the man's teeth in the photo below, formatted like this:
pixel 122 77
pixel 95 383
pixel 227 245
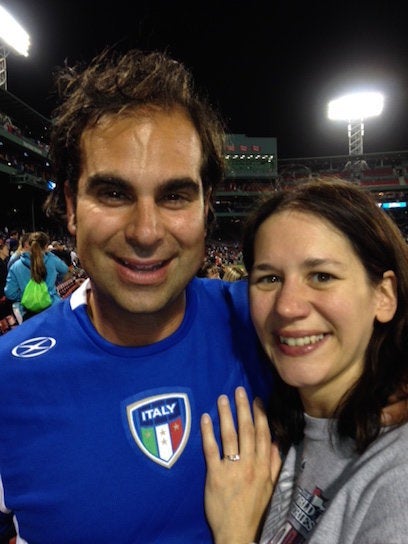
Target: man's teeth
pixel 142 267
pixel 304 341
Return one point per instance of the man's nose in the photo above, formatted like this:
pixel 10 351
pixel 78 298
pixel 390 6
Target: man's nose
pixel 144 224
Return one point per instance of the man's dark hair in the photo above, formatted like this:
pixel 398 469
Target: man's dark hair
pixel 113 83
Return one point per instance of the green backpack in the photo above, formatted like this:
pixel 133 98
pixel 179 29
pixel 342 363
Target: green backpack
pixel 36 296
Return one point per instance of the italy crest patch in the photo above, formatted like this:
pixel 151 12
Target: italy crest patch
pixel 160 426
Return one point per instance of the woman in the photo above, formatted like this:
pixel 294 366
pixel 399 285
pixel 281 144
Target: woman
pixel 39 264
pixel 5 305
pixel 328 283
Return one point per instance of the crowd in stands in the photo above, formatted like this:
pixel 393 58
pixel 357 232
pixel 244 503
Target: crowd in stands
pixel 222 260
pixel 12 128
pixel 61 267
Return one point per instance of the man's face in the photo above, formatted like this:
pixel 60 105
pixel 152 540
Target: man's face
pixel 140 215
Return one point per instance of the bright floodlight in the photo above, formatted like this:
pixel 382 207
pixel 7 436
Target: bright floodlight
pixel 13 33
pixel 356 106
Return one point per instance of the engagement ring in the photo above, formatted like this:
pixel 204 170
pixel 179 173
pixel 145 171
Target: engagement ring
pixel 233 457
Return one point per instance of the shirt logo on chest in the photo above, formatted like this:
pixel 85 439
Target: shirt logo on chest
pixel 160 426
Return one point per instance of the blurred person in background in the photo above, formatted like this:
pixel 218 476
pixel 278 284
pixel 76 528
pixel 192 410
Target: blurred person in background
pixel 59 249
pixel 5 304
pixel 37 263
pixel 23 245
pixel 234 273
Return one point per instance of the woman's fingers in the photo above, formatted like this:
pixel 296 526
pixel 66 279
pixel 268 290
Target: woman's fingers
pixel 238 492
pixel 229 436
pixel 246 430
pixel 253 436
pixel 210 446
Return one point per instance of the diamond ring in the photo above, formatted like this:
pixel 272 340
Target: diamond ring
pixel 233 457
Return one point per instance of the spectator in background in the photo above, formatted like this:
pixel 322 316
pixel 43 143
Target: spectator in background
pixel 12 241
pixel 23 245
pixel 38 263
pixel 74 258
pixel 5 305
pixel 59 249
pixel 234 273
pixel 209 270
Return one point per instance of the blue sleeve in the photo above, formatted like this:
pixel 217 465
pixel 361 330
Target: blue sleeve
pixel 61 267
pixel 12 289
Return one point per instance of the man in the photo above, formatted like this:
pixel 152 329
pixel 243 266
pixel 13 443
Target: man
pixel 5 305
pixel 24 245
pixel 101 395
pixel 59 249
pixel 12 241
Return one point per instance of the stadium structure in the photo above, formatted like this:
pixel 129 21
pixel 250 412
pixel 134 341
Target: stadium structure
pixel 253 170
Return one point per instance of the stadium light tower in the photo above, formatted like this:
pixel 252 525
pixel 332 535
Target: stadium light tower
pixel 13 35
pixel 354 108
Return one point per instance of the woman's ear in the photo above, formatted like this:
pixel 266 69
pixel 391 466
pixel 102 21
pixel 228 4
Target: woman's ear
pixel 387 298
pixel 70 207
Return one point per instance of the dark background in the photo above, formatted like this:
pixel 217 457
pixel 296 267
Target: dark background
pixel 270 67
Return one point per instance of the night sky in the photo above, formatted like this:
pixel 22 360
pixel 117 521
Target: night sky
pixel 270 67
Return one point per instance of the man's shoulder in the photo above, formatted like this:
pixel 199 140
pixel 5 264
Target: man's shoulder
pixel 219 294
pixel 221 287
pixel 53 321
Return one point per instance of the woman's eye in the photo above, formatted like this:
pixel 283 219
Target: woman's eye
pixel 269 279
pixel 266 282
pixel 322 277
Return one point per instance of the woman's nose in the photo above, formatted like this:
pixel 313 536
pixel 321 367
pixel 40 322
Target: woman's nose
pixel 291 300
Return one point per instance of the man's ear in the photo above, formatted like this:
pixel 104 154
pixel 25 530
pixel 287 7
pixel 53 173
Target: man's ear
pixel 70 207
pixel 387 298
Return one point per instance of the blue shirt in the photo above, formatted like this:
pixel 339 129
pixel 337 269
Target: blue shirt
pixel 101 443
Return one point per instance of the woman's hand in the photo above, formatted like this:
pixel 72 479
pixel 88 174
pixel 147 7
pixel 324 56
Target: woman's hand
pixel 238 492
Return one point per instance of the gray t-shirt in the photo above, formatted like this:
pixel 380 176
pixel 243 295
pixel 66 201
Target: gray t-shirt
pixel 327 494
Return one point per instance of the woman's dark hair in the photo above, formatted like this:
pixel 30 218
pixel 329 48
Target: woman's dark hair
pixel 379 244
pixel 112 84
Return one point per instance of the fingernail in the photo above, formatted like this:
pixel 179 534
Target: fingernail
pixel 241 391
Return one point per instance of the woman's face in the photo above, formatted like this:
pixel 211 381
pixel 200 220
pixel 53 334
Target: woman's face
pixel 4 252
pixel 314 307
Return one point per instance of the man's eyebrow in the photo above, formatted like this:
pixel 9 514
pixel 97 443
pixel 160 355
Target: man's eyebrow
pixel 169 185
pixel 178 184
pixel 97 180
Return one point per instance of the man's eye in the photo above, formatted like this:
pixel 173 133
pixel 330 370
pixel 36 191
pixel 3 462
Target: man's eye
pixel 175 199
pixel 173 196
pixel 112 195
